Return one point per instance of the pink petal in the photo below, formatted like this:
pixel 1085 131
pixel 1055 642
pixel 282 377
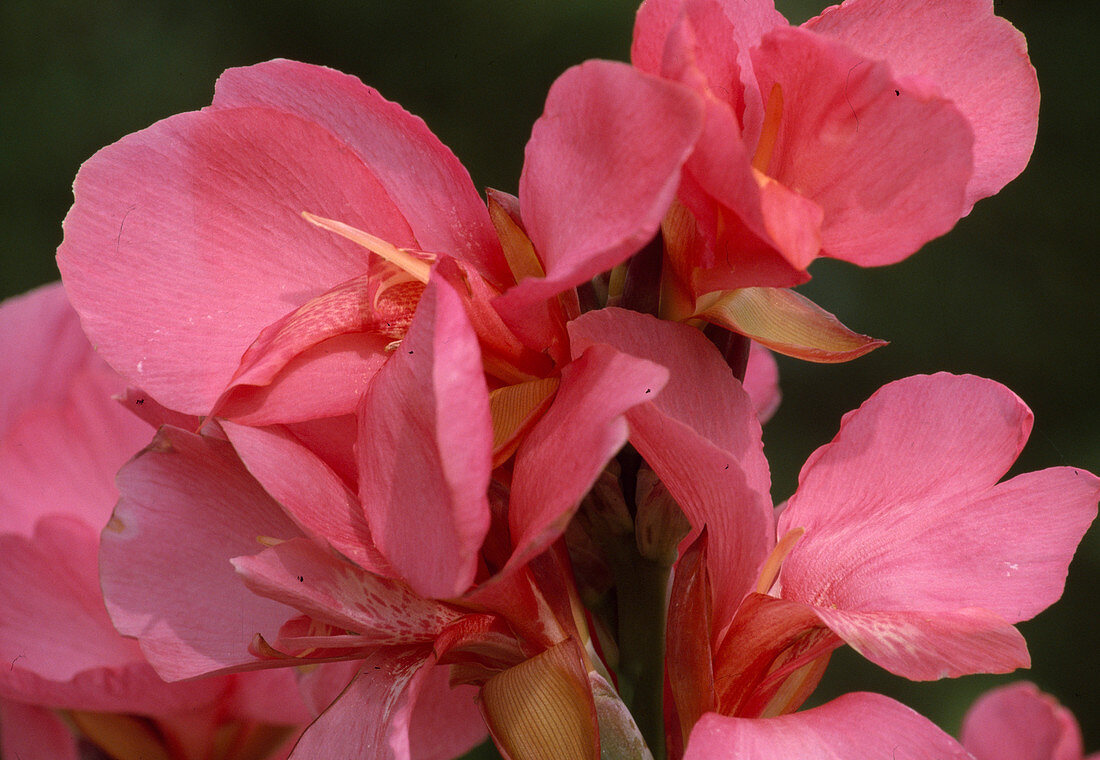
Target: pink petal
pixel 855 726
pixel 445 721
pixel 424 179
pixel 1019 722
pixel 762 382
pixel 977 59
pixel 425 450
pixel 330 590
pixel 888 160
pixel 568 448
pixel 186 240
pixel 370 719
pixel 601 169
pixel 897 512
pixel 188 505
pixel 700 435
pixel 28 732
pixel 62 436
pixel 308 491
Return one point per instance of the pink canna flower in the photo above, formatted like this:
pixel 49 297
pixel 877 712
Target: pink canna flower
pixel 1019 722
pixel 860 135
pixel 62 437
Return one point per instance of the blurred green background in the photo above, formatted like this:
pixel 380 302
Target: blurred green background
pixel 1009 294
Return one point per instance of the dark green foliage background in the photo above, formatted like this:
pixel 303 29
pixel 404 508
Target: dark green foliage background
pixel 1010 294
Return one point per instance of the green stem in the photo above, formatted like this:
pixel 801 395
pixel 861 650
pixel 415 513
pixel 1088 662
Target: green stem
pixel 641 585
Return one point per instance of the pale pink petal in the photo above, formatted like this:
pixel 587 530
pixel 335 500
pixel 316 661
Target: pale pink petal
pixel 370 719
pixel 977 59
pixel 700 435
pixel 309 492
pixel 189 505
pixel 601 170
pixel 1019 722
pixel 301 574
pixel 34 733
pixel 762 382
pixel 897 512
pixel 424 179
pixel 855 726
pixel 425 449
pixel 445 721
pixel 187 240
pixel 887 159
pixel 925 646
pixel 564 453
pixel 62 436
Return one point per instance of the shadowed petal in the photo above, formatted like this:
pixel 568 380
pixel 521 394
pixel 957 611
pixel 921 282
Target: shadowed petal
pixel 1019 722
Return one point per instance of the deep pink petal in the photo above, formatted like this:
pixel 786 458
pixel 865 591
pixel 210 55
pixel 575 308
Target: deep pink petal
pixel 62 436
pixel 34 733
pixel 267 696
pixel 887 159
pixel 445 721
pixel 567 449
pixel 897 508
pixel 925 646
pixel 188 505
pixel 977 59
pixel 303 575
pixel 601 169
pixel 700 435
pixel 187 240
pixel 425 450
pixel 370 719
pixel 855 726
pixel 1019 722
pixel 308 490
pixel 424 179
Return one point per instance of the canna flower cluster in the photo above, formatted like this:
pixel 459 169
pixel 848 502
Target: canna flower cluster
pixel 401 469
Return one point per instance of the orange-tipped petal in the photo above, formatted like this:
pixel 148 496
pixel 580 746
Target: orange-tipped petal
pixel 786 322
pixel 543 708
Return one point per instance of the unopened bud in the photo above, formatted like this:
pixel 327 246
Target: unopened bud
pixel 660 523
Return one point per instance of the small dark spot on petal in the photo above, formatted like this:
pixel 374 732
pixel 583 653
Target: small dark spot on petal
pixel 301 579
pixel 897 92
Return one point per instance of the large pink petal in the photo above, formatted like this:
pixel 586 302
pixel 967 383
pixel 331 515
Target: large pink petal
pixel 977 59
pixel 189 505
pixel 34 733
pixel 301 574
pixel 57 638
pixel 445 720
pixel 62 436
pixel 601 169
pixel 701 436
pixel 568 448
pixel 425 449
pixel 887 159
pixel 187 240
pixel 762 382
pixel 1019 722
pixel 370 719
pixel 421 175
pixel 855 726
pixel 309 491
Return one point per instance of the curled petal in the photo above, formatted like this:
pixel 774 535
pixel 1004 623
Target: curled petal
pixel 1019 722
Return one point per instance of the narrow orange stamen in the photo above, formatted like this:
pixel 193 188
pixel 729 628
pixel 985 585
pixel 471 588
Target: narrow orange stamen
pixel 399 257
pixel 773 113
pixel 770 571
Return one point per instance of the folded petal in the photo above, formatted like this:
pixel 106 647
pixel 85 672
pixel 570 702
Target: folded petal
pixel 425 450
pixel 1019 722
pixel 977 59
pixel 888 160
pixel 186 240
pixel 188 505
pixel 762 382
pixel 852 727
pixel 421 175
pixel 28 732
pixel 601 169
pixel 700 435
pixel 567 449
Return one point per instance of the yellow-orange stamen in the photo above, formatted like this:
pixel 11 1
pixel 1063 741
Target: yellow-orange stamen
pixel 770 571
pixel 773 113
pixel 420 268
